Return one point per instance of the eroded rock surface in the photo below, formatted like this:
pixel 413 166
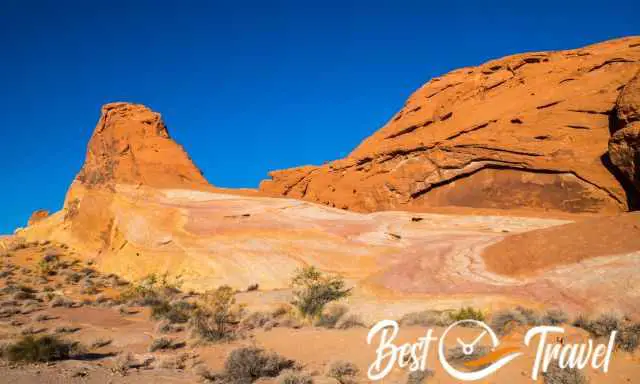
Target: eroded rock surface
pixel 131 145
pixel 624 145
pixel 37 216
pixel 529 130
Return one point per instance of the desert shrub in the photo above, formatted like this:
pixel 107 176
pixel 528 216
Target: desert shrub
pixel 555 317
pixel 61 301
pixel 581 321
pixel 557 375
pixel 160 344
pixel 209 376
pixel 504 321
pixel 313 290
pixel 282 310
pixel 17 245
pixel 8 303
pixel 457 355
pixel 176 312
pixel 173 362
pixel 89 290
pixel 428 318
pixel 99 343
pixel 39 349
pixel 6 273
pixel 167 327
pixel 604 324
pixel 330 316
pixel 419 376
pixel 28 308
pixel 43 317
pixel 253 287
pixel 88 272
pixel 467 313
pixel 73 277
pixel 291 376
pixel 256 320
pixel 629 338
pixel 215 316
pixel 123 363
pixel 249 364
pixel 283 316
pixel 115 281
pixel 66 329
pixel 152 290
pixel 343 371
pixel 530 316
pixel 164 327
pixel 24 293
pixel 48 265
pixel 30 330
pixel 350 321
pixel 16 323
pixel 9 311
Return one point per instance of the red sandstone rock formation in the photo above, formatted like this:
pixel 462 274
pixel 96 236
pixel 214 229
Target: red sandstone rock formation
pixel 131 145
pixel 524 131
pixel 37 216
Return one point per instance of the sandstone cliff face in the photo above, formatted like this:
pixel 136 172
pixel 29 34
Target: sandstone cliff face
pixel 528 130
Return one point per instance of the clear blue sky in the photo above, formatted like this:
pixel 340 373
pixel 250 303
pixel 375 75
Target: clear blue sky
pixel 246 87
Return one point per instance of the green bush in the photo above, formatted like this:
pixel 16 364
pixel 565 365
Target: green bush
pixel 313 290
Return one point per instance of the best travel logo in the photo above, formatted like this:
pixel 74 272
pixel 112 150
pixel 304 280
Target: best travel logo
pixel 547 351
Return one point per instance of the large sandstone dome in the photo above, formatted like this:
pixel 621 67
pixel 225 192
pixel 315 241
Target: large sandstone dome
pixel 525 131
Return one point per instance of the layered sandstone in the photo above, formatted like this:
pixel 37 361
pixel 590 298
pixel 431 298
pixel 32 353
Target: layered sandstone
pixel 524 131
